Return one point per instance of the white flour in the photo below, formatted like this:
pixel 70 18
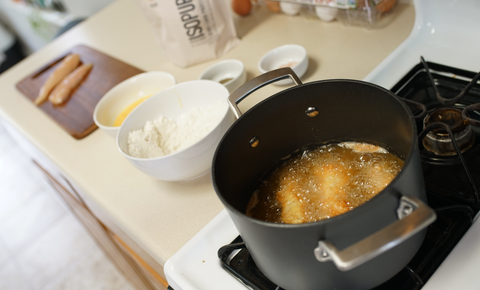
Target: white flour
pixel 164 136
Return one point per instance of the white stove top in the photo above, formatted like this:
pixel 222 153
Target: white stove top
pixel 445 32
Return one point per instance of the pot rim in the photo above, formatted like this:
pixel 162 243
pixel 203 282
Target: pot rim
pixel 407 161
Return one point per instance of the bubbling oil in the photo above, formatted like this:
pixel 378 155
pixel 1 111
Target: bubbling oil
pixel 323 182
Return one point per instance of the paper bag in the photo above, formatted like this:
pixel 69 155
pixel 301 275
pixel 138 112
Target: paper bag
pixel 191 31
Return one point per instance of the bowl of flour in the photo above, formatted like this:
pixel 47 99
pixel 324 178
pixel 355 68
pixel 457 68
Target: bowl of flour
pixel 173 135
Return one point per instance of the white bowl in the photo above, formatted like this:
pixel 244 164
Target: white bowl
pixel 230 73
pixel 124 94
pixel 326 13
pixel 292 55
pixel 172 103
pixel 291 9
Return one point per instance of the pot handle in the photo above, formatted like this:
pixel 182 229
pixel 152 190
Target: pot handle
pixel 254 84
pixel 414 216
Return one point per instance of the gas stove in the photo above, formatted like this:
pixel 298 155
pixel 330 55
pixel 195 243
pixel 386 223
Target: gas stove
pixel 440 58
pixel 451 179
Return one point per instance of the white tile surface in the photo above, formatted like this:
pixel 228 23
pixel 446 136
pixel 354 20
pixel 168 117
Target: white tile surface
pixel 4 254
pixel 11 279
pixel 16 182
pixel 42 245
pixel 6 143
pixel 94 272
pixel 40 212
pixel 10 164
pixel 58 247
pixel 16 192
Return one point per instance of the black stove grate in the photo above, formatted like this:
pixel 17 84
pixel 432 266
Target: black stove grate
pixel 430 86
pixel 451 184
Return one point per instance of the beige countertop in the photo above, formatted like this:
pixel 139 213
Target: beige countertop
pixel 162 216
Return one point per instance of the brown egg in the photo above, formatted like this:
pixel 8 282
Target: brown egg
pixel 273 6
pixel 385 5
pixel 241 7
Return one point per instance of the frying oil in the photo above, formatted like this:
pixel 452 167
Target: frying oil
pixel 324 182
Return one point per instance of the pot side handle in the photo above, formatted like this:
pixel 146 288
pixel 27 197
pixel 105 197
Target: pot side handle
pixel 254 84
pixel 414 216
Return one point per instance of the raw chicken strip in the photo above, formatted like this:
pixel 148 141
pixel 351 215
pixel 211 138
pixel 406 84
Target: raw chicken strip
pixel 62 91
pixel 68 64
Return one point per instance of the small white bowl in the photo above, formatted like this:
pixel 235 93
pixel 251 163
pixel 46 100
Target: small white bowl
pixel 291 9
pixel 326 13
pixel 172 103
pixel 292 55
pixel 124 94
pixel 230 73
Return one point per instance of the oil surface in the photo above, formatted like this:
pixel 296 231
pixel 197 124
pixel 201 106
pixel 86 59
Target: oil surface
pixel 323 183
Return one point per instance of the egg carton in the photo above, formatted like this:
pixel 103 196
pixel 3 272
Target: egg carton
pixel 365 13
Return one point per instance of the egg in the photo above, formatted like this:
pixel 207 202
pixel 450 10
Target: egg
pixel 123 114
pixel 241 7
pixel 290 8
pixel 326 13
pixel 273 6
pixel 385 5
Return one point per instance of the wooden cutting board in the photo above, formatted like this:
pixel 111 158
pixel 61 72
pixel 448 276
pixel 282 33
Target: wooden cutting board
pixel 76 116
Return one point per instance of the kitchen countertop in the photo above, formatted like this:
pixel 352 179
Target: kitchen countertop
pixel 162 216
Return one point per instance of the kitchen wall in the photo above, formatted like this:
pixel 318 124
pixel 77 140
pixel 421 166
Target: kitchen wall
pixel 35 27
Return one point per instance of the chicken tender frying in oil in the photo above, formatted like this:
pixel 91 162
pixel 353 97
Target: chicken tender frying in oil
pixel 379 175
pixel 297 206
pixel 363 147
pixel 323 183
pixel 333 180
pixel 293 210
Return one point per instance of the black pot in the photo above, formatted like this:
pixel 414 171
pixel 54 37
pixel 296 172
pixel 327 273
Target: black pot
pixel 356 250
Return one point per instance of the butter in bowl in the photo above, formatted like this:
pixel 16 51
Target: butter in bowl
pixel 122 99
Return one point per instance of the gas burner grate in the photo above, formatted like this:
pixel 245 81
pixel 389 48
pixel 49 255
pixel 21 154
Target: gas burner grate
pixel 237 261
pixel 431 89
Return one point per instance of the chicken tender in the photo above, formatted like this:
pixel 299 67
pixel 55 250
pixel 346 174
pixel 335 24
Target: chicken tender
pixel 363 147
pixel 379 176
pixel 68 64
pixel 63 91
pixel 293 211
pixel 333 179
pixel 323 182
